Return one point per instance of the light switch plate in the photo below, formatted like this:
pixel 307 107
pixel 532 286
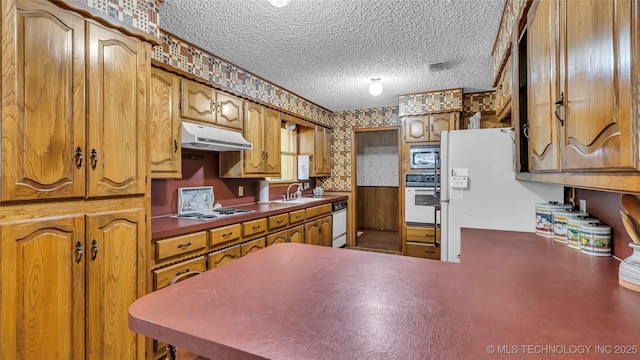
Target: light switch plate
pixel 583 205
pixel 459 172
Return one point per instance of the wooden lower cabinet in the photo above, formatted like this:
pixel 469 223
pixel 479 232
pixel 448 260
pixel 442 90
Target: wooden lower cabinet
pixel 318 232
pixel 252 246
pixel 278 237
pixel 421 242
pixel 221 257
pixel 55 268
pixel 296 234
pixel 164 276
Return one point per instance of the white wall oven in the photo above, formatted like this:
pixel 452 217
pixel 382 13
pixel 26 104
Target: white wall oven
pixel 421 197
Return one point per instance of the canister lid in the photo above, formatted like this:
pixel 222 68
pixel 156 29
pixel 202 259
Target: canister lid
pixel 582 220
pixel 570 213
pixel 553 205
pixel 595 228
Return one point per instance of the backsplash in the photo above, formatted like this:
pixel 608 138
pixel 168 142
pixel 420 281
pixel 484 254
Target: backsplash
pixel 189 58
pixel 140 14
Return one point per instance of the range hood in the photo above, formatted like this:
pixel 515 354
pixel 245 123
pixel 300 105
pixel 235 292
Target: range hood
pixel 203 137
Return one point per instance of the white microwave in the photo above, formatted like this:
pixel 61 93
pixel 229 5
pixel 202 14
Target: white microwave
pixel 424 156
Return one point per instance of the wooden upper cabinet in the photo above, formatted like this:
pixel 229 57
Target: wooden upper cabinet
pixel 165 137
pixel 43 109
pixel 254 132
pixel 316 143
pixel 503 91
pixel 271 142
pixel 579 116
pixel 441 122
pixel 43 283
pixel 203 103
pixel 118 74
pixel 198 102
pixel 229 111
pixel 416 128
pixel 543 87
pixel 115 247
pixel 600 129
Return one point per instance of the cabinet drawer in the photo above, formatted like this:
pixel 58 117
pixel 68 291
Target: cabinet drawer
pixel 254 227
pixel 252 246
pixel 318 210
pixel 278 221
pixel 180 245
pixel 221 257
pixel 278 237
pixel 297 216
pixel 422 234
pixel 423 250
pixel 224 234
pixel 162 277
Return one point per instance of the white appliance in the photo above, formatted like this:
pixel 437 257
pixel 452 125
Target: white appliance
pixel 211 138
pixel 479 189
pixel 339 224
pixel 420 199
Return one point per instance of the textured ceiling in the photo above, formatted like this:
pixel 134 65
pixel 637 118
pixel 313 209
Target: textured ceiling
pixel 327 51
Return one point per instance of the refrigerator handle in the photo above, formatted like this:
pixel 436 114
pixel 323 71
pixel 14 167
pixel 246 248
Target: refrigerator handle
pixel 436 188
pixel 436 209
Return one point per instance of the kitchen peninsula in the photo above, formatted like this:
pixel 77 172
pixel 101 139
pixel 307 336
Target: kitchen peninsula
pixel 512 294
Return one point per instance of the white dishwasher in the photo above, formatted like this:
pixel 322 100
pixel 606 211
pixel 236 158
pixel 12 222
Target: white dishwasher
pixel 339 223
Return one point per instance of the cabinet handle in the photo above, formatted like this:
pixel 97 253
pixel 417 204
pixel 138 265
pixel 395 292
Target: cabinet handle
pixel 78 251
pixel 500 90
pixel 94 249
pixel 182 272
pixel 94 159
pixel 213 106
pixel 431 127
pixel 175 146
pixel 256 227
pixel 78 157
pixel 227 234
pixel 558 104
pixel 219 106
pixel 279 221
pixel 184 245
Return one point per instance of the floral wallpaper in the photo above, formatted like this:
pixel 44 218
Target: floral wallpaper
pixel 434 101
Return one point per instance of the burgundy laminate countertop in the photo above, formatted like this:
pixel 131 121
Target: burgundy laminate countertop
pixel 167 226
pixel 514 296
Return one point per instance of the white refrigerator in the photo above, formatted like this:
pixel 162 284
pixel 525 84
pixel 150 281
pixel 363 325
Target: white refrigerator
pixel 479 189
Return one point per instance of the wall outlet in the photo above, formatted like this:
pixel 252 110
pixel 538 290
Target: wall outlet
pixel 306 186
pixel 240 190
pixel 583 205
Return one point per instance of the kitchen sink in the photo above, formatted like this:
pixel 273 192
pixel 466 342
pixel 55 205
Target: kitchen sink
pixel 303 200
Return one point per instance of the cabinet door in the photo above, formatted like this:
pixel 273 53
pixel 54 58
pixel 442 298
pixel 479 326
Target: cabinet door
pixel 319 150
pixel 312 233
pixel 42 289
pixel 542 91
pixel 229 111
pixel 166 152
pixel 599 132
pixel 278 237
pixel 272 142
pixel 325 231
pixel 439 123
pixel 415 128
pixel 252 246
pixel 115 273
pixel 506 85
pixel 118 73
pixel 221 257
pixel 198 102
pixel 43 113
pixel 327 152
pixel 254 133
pixel 296 234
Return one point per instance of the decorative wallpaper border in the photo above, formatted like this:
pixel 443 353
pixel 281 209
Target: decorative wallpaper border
pixel 445 100
pixel 513 11
pixel 343 122
pixel 481 101
pixel 193 60
pixel 140 14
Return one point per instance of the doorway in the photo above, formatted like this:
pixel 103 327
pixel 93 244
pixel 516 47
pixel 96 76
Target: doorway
pixel 376 178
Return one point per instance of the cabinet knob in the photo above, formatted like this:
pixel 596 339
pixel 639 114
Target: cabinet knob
pixel 94 249
pixel 78 251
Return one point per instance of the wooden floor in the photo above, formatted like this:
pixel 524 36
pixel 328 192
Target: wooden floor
pixel 379 240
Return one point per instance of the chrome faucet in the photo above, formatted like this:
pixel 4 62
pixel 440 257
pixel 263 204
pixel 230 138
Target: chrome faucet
pixel 296 195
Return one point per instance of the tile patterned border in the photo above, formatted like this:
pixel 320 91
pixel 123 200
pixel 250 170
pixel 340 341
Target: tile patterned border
pixel 513 10
pixel 140 14
pixel 482 101
pixel 446 100
pixel 343 122
pixel 186 57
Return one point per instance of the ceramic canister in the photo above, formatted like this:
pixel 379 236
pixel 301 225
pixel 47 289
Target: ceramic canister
pixel 573 229
pixel 544 217
pixel 629 271
pixel 560 223
pixel 595 239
